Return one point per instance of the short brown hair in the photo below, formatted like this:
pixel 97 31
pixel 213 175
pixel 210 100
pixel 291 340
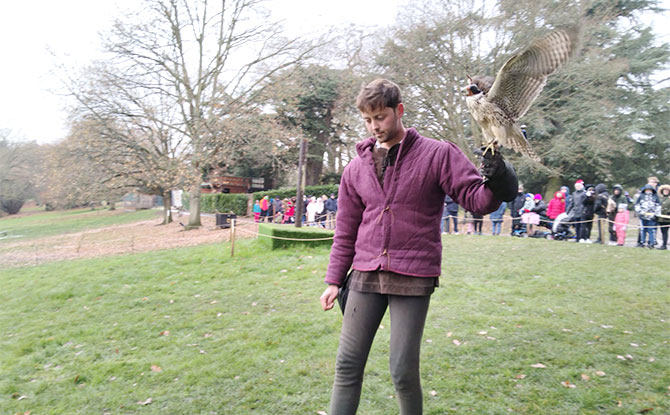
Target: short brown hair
pixel 378 94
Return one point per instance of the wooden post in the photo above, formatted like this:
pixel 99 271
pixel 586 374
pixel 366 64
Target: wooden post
pixel 232 237
pixel 299 205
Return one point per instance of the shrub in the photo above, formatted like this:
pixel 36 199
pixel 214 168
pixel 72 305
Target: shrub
pixel 291 232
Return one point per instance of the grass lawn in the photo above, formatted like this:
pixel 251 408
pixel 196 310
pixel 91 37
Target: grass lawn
pixel 67 221
pixel 520 326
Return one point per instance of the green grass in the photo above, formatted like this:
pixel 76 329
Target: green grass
pixel 67 221
pixel 247 336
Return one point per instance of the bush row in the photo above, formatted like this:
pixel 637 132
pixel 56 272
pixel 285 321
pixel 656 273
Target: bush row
pixel 291 232
pixel 220 202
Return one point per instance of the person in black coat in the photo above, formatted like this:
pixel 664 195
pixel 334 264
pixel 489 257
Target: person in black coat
pixel 515 206
pixel 575 209
pixel 600 210
pixel 587 212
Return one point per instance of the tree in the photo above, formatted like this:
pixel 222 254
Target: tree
pixel 207 60
pixel 257 145
pixel 69 178
pixel 601 112
pixel 123 132
pixel 18 165
pixel 315 101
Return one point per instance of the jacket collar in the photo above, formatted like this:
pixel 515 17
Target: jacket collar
pixel 364 148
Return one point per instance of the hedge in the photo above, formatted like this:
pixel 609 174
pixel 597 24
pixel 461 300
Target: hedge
pixel 220 202
pixel 237 202
pixel 290 231
pixel 291 192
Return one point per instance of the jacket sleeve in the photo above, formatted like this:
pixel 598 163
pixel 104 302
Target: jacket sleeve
pixel 349 216
pixel 459 178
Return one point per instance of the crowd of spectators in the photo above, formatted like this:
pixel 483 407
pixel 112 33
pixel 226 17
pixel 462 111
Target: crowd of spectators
pixel 578 211
pixel 317 211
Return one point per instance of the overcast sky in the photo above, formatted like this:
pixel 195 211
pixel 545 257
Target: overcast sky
pixel 30 29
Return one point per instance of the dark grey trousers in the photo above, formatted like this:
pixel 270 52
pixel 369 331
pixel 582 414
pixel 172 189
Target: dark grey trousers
pixel 361 320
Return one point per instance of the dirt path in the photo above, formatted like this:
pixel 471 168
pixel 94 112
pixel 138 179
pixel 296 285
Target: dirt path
pixel 142 236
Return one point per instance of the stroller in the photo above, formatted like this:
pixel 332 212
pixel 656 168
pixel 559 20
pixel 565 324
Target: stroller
pixel 559 230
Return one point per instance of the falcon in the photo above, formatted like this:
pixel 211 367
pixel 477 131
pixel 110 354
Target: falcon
pixel 497 104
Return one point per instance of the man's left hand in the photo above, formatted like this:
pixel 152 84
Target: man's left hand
pixel 491 164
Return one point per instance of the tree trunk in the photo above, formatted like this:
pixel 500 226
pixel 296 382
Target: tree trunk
pixel 167 207
pixel 298 198
pixel 553 185
pixel 112 205
pixel 194 207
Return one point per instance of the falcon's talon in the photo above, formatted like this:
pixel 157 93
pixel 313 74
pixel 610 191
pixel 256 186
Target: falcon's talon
pixel 491 146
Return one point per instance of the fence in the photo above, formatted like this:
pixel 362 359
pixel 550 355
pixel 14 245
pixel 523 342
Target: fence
pixel 135 238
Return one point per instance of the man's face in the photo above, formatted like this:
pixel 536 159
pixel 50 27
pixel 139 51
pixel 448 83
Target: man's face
pixel 579 186
pixel 384 123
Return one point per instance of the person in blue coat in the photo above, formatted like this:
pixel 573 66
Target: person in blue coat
pixel 450 211
pixel 497 218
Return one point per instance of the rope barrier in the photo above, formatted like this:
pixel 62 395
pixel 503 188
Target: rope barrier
pixel 286 239
pixel 507 218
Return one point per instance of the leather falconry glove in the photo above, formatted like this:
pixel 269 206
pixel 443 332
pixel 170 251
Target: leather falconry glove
pixel 499 175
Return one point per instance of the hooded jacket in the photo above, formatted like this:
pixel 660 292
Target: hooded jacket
pixel 622 201
pixel 648 206
pixel 602 196
pixel 395 226
pixel 517 204
pixel 556 205
pixel 450 206
pixel 575 208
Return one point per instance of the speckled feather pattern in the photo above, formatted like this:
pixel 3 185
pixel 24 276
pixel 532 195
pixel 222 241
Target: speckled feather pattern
pixel 517 85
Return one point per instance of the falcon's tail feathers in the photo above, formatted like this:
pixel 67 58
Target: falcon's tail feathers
pixel 517 141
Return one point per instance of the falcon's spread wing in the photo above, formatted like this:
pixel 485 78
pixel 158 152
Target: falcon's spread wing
pixel 523 76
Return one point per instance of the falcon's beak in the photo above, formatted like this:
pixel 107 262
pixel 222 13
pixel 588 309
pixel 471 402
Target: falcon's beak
pixel 468 91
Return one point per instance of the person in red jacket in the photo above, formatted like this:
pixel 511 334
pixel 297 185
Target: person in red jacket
pixel 390 203
pixel 556 205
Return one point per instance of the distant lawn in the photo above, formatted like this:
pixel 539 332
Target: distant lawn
pixel 199 332
pixel 67 221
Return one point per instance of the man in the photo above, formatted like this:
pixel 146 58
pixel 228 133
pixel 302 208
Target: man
pixel 600 209
pixel 575 209
pixel 515 207
pixel 331 211
pixel 390 205
pixel 587 212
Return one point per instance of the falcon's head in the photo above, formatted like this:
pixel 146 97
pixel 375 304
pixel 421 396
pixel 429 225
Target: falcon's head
pixel 478 84
pixel 471 90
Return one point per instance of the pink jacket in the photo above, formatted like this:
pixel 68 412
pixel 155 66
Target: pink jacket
pixel 397 227
pixel 556 205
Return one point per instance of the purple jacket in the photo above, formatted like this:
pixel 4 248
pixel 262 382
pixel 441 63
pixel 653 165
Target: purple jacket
pixel 397 227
